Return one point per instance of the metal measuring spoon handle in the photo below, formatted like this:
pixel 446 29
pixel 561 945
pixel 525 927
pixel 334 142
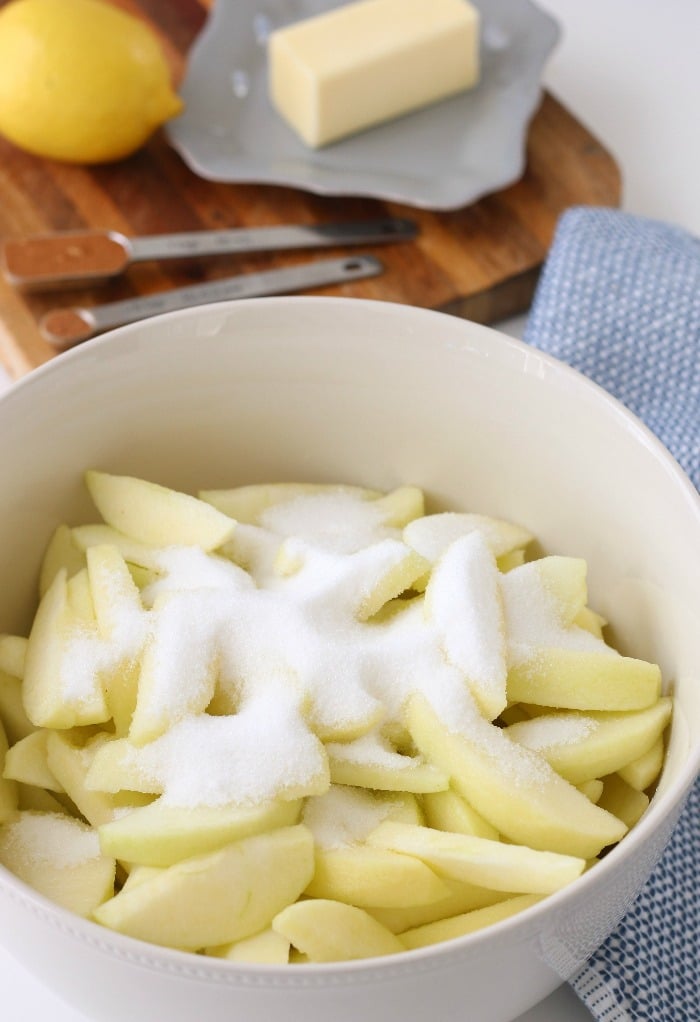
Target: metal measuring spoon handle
pixel 64 328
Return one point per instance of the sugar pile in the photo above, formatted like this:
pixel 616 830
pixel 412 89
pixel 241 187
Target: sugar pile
pixel 50 838
pixel 279 635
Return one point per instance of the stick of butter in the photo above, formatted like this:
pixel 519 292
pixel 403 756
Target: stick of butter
pixel 367 62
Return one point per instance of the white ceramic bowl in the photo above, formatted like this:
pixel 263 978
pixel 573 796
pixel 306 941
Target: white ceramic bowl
pixel 377 394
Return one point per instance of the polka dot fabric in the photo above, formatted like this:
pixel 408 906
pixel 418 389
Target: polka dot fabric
pixel 619 299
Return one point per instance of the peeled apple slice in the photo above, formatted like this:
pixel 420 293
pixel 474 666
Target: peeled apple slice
pixel 328 931
pixel 216 898
pixel 158 835
pixel 581 747
pixel 542 811
pixel 155 514
pixel 480 861
pixel 59 857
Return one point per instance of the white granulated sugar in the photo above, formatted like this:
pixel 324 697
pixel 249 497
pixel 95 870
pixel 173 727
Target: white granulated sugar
pixel 553 730
pixel 52 838
pixel 178 674
pixel 89 656
pixel 341 522
pixel 533 621
pixel 266 750
pixel 192 568
pixel 279 631
pixel 464 600
pixel 255 550
pixel 371 749
pixel 344 816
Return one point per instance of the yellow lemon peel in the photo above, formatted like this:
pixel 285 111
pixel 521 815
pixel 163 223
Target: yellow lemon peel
pixel 80 80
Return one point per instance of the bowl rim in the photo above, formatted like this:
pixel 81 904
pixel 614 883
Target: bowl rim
pixel 433 957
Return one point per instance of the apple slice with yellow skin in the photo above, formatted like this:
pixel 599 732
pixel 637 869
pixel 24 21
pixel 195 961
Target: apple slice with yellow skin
pixel 470 922
pixel 60 858
pixel 330 931
pixel 540 810
pixel 446 810
pixel 480 861
pixel 583 746
pixel 8 787
pixel 266 948
pixel 462 898
pixel 367 877
pixel 161 835
pixel 13 652
pixel 26 762
pixel 216 898
pixel 62 554
pixel 155 514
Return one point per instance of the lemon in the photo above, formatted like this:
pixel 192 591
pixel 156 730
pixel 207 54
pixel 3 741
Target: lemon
pixel 80 80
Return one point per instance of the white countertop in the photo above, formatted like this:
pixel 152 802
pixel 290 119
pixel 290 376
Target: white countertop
pixel 629 70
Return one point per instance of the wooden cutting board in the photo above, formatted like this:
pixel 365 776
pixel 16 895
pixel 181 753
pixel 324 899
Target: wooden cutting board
pixel 480 262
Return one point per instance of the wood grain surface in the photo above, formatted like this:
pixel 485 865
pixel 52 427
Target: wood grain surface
pixel 480 262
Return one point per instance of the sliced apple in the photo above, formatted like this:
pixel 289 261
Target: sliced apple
pixel 157 515
pixel 62 554
pixel 26 762
pixel 513 788
pixel 583 746
pixel 367 877
pixel 266 948
pixel 13 652
pixel 446 810
pixel 480 861
pixel 59 857
pixel 159 835
pixel 219 897
pixel 8 787
pixel 12 713
pixel 431 535
pixel 461 898
pixel 584 680
pixel 463 601
pixel 622 800
pixel 329 931
pixel 470 922
pixel 640 773
pixel 59 690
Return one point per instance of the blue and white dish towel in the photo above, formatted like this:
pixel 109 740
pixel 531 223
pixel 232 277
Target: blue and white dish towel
pixel 619 300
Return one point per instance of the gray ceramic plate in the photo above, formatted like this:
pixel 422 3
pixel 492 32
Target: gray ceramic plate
pixel 442 157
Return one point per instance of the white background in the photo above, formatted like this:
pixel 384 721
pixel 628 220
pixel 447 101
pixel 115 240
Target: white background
pixel 630 70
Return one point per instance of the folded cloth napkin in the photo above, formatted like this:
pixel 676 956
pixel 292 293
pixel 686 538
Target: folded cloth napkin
pixel 619 299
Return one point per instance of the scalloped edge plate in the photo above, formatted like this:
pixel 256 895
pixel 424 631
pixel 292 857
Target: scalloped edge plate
pixel 442 157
